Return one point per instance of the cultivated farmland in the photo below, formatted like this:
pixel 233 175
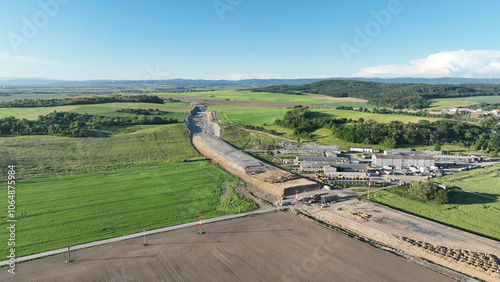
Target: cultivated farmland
pixel 259 116
pixel 59 211
pixel 279 98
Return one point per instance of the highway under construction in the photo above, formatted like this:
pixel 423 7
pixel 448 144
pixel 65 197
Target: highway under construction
pixel 273 180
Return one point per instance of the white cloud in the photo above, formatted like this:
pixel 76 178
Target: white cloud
pixel 462 63
pixel 25 60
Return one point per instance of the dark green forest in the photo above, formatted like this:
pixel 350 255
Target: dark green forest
pixel 392 95
pixel 482 136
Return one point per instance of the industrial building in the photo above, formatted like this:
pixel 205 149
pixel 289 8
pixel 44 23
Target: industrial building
pixel 401 161
pixel 411 152
pixel 364 150
pixel 325 160
pixel 306 166
pixel 317 164
pixel 456 159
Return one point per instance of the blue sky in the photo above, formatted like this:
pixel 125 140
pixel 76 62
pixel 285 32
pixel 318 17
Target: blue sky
pixel 233 39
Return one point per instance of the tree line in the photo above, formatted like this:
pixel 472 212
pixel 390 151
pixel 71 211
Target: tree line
pixel 142 111
pixel 484 106
pixel 71 124
pixel 81 100
pixel 393 95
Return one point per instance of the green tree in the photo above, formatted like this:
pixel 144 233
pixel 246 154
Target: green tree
pixel 437 146
pixel 428 192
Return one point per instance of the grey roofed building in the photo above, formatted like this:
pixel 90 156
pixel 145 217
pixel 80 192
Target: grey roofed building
pixel 307 166
pixel 403 160
pixel 326 160
pixel 411 152
pixel 331 154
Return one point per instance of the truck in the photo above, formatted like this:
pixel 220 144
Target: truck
pixel 327 199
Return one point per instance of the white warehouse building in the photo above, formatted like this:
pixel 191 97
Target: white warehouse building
pixel 401 161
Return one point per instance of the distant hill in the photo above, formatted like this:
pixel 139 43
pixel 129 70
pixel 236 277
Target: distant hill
pixel 40 82
pixel 394 95
pixel 45 82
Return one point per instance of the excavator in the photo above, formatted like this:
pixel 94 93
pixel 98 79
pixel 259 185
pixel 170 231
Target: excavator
pixel 320 177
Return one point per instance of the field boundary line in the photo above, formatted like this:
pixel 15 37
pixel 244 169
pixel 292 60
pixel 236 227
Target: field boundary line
pixel 138 235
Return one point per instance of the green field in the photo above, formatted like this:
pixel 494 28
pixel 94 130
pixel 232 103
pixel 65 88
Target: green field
pixel 439 104
pixel 74 209
pixel 14 97
pixel 247 114
pixel 485 180
pixel 248 96
pixel 465 211
pixel 245 140
pixel 126 147
pixel 259 115
pixel 175 110
pixel 33 113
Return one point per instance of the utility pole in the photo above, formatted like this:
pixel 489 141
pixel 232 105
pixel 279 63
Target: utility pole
pixel 296 199
pixel 200 225
pixel 369 186
pixel 69 258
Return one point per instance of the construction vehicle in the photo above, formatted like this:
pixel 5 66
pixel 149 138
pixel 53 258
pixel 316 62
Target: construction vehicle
pixel 320 177
pixel 327 199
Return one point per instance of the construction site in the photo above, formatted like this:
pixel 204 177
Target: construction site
pixel 275 181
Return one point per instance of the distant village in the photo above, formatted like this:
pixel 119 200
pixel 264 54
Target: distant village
pixel 478 111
